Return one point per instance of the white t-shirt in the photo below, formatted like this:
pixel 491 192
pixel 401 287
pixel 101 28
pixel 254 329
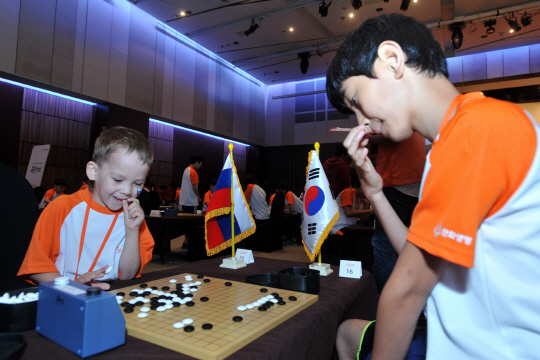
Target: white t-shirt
pixel 258 205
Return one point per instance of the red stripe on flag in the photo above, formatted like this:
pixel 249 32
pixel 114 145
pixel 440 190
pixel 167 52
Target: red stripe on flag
pixel 213 233
pixel 220 199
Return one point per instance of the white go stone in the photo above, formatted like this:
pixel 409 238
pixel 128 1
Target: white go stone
pixel 118 297
pixel 169 306
pixel 241 308
pixel 249 306
pixel 142 315
pixel 193 290
pixel 159 293
pixel 168 301
pixel 139 298
pixel 173 281
pixel 178 325
pixel 145 309
pixel 198 283
pixel 188 299
pixel 161 308
pixel 132 301
pixel 154 291
pixel 274 301
pixel 145 300
pixel 187 321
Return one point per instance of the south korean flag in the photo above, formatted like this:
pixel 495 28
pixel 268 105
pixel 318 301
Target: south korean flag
pixel 320 211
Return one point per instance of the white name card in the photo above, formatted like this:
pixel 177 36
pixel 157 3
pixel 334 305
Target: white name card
pixel 350 269
pixel 246 255
pixel 155 213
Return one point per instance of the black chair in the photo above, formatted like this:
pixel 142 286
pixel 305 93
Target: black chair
pixel 18 217
pixel 40 193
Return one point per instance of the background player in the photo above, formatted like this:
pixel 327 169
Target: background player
pixel 473 267
pixel 105 220
pixel 59 187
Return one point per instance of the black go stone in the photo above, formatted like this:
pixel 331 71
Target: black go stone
pixel 133 293
pixel 193 287
pixel 139 303
pixel 237 318
pixel 147 293
pixel 162 297
pixel 206 280
pixel 269 303
pixel 200 276
pixel 154 288
pixel 121 294
pixel 188 328
pixel 207 326
pixel 204 298
pixel 275 295
pixel 228 283
pixel 128 310
pixel 176 304
pixel 263 290
pixel 292 298
pixel 190 303
pixel 154 306
pixel 155 298
pixel 125 304
pixel 281 302
pixel 143 286
pixel 262 308
pixel 165 288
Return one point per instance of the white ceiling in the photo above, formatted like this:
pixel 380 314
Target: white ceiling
pixel 270 54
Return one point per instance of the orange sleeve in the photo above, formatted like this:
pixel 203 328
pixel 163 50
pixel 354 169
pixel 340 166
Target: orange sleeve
pixel 49 194
pixel 177 194
pixel 347 197
pixel 249 190
pixel 272 199
pixel 193 176
pixel 290 198
pixel 45 244
pixel 207 196
pixel 83 187
pixel 146 246
pixel 474 172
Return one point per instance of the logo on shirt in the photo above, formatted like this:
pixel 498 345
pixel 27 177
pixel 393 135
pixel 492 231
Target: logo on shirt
pixel 460 238
pixel 118 250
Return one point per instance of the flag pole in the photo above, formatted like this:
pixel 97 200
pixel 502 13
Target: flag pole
pixel 232 198
pixel 317 147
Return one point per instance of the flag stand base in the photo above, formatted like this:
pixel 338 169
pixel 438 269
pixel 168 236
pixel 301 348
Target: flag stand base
pixel 233 263
pixel 324 269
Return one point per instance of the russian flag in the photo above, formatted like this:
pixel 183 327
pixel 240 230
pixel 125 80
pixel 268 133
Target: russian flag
pixel 218 215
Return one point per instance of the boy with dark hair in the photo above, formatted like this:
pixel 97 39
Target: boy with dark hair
pixel 189 196
pixel 474 265
pixel 59 187
pixel 99 232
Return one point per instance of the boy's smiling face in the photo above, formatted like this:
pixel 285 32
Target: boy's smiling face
pixel 117 179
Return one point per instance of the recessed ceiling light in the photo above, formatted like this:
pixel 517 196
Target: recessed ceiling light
pixel 182 13
pixel 351 15
pixel 511 30
pixel 291 29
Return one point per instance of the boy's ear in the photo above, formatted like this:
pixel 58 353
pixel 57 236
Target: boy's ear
pixel 392 57
pixel 91 170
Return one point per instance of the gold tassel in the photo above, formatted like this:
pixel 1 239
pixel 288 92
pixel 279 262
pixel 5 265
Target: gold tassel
pixel 323 237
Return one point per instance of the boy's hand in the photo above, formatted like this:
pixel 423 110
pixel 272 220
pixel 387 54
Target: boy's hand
pixel 355 143
pixel 133 214
pixel 88 278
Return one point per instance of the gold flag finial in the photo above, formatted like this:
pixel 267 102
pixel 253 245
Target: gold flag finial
pixel 317 146
pixel 231 147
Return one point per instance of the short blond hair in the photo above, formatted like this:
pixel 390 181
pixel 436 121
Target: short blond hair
pixel 118 137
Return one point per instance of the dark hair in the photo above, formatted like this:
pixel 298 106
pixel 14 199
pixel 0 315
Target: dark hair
pixel 282 185
pixel 60 182
pixel 358 52
pixel 213 181
pixel 340 150
pixel 195 158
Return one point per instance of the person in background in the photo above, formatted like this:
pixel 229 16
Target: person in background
pixel 256 198
pixel 293 214
pixel 352 205
pixel 208 194
pixel 59 187
pixel 189 197
pixel 337 170
pixel 168 195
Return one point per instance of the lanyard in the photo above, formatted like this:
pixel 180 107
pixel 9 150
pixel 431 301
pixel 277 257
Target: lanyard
pixel 83 234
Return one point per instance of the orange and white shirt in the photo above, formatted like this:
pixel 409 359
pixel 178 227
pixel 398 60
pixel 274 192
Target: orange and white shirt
pixel 256 198
pixel 207 197
pixel 346 198
pixel 58 244
pixel 188 196
pixel 479 209
pixel 290 199
pixel 50 194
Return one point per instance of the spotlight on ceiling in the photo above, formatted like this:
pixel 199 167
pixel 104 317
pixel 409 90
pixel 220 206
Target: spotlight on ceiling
pixel 513 23
pixel 457 35
pixel 356 4
pixel 252 28
pixel 489 24
pixel 323 8
pixel 304 62
pixel 526 20
pixel 404 5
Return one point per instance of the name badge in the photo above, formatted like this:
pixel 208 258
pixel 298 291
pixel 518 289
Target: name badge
pixel 247 255
pixel 350 269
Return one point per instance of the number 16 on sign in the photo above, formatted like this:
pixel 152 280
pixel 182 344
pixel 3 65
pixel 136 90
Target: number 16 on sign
pixel 350 269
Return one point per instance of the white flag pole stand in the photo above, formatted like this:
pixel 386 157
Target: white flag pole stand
pixel 324 269
pixel 232 262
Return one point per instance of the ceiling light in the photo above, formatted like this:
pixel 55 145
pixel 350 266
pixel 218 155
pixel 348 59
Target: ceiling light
pixel 291 29
pixel 351 15
pixel 457 35
pixel 489 24
pixel 304 62
pixel 513 23
pixel 323 8
pixel 405 5
pixel 252 28
pixel 526 20
pixel 356 4
pixel 182 13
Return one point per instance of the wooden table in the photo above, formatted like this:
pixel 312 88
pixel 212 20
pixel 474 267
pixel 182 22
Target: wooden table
pixel 308 335
pixel 165 228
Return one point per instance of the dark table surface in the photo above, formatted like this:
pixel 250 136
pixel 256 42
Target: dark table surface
pixel 308 335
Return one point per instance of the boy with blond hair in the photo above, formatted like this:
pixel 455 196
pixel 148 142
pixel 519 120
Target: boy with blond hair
pixel 471 255
pixel 99 232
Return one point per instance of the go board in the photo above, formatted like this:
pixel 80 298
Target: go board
pixel 215 302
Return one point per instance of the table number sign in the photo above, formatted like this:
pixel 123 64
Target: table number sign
pixel 246 255
pixel 350 269
pixel 155 213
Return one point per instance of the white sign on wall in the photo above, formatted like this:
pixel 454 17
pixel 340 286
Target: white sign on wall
pixel 36 166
